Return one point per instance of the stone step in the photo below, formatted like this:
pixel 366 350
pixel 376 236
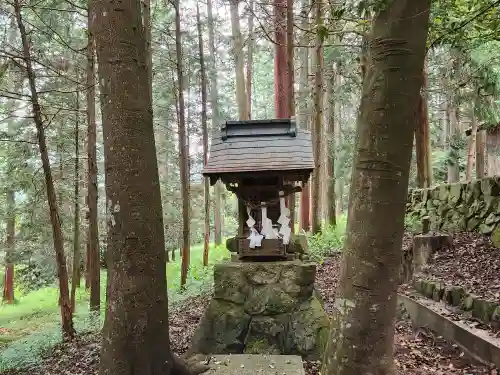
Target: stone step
pixel 255 364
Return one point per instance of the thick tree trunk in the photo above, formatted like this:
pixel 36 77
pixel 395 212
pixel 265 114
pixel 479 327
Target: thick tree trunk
pixel 183 149
pixel 135 334
pixel 8 284
pixel 214 102
pixel 250 48
pixel 93 258
pixel 318 123
pixel 362 333
pixel 303 117
pixel 204 124
pixel 75 279
pixel 241 96
pixel 64 300
pixel 471 149
pixel 480 154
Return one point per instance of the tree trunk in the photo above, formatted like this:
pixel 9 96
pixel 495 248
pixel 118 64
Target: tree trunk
pixel 330 160
pixel 135 334
pixel 241 96
pixel 76 223
pixel 203 85
pixel 453 156
pixel 362 332
pixel 8 285
pixel 146 16
pixel 281 109
pixel 480 154
pixel 250 48
pixel 214 102
pixel 422 140
pixel 303 108
pixel 64 300
pixel 318 121
pixel 290 88
pixel 183 149
pixel 471 152
pixel 93 257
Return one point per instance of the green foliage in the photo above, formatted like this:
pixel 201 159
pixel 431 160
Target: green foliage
pixel 328 241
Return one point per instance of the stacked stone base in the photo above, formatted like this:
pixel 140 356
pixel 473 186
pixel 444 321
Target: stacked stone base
pixel 263 308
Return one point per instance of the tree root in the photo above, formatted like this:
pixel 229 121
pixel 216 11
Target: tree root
pixel 193 365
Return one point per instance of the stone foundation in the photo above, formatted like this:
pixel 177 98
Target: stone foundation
pixel 263 308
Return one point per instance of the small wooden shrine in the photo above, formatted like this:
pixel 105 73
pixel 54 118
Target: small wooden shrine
pixel 262 162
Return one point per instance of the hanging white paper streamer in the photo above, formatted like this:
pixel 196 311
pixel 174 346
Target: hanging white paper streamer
pixel 267 225
pixel 285 230
pixel 255 237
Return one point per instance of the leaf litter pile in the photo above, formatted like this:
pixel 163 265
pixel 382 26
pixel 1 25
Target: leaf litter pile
pixel 416 352
pixel 472 263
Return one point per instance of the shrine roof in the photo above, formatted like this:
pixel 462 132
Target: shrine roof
pixel 275 145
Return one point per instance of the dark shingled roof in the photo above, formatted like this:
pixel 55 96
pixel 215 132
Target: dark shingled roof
pixel 260 146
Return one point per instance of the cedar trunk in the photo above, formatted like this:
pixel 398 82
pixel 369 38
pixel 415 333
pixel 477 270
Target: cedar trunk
pixel 64 300
pixel 290 92
pixel 250 48
pixel 303 118
pixel 135 333
pixel 362 332
pixel 241 96
pixel 183 149
pixel 480 154
pixel 204 124
pixel 330 149
pixel 471 146
pixel 8 285
pixel 214 102
pixel 422 141
pixel 318 124
pixel 93 257
pixel 75 279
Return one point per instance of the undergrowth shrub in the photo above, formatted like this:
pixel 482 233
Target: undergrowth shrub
pixel 330 240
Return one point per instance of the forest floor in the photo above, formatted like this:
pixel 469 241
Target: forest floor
pixel 416 353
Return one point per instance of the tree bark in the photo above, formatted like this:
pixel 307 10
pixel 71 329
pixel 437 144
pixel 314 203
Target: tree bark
pixel 146 16
pixel 135 334
pixel 183 149
pixel 290 88
pixel 303 108
pixel 8 284
pixel 64 300
pixel 471 151
pixel 75 280
pixel 422 140
pixel 480 154
pixel 214 102
pixel 241 96
pixel 453 162
pixel 366 297
pixel 330 160
pixel 318 121
pixel 250 48
pixel 204 124
pixel 93 257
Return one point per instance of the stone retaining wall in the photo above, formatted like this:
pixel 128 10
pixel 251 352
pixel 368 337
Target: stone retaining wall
pixel 469 206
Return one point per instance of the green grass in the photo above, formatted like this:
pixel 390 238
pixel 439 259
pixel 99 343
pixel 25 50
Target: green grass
pixel 32 324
